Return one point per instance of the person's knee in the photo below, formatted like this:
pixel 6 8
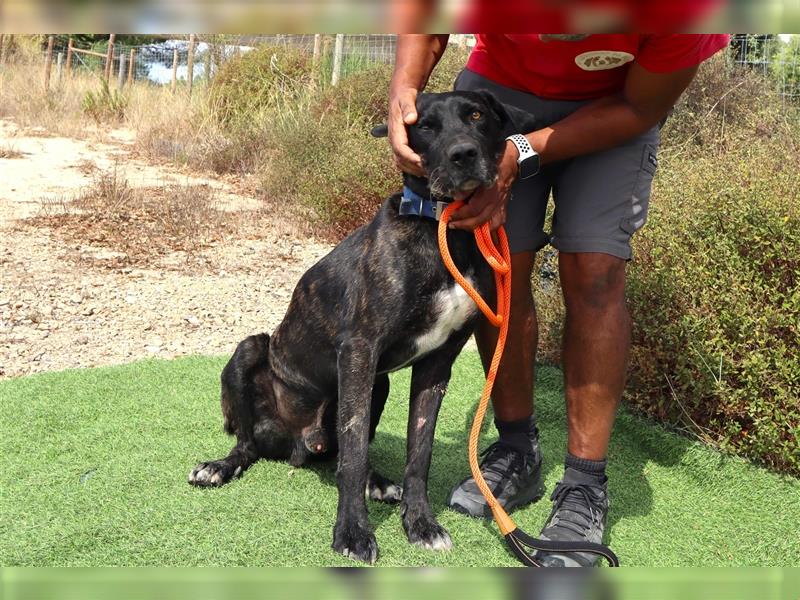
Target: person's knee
pixel 592 281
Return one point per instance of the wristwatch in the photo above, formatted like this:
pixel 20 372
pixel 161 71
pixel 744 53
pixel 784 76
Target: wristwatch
pixel 528 161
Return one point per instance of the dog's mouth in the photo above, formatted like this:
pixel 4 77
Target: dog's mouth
pixel 444 183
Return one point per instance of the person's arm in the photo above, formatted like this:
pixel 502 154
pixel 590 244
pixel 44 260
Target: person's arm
pixel 416 56
pixel 605 123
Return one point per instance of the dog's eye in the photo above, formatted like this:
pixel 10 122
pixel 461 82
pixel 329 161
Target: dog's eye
pixel 476 116
pixel 424 127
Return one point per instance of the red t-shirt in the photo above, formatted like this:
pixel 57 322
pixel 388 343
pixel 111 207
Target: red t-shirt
pixel 587 68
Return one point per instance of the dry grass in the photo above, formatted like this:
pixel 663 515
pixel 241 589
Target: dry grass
pixel 140 225
pixel 10 151
pixel 159 117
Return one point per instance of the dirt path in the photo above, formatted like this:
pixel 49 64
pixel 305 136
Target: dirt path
pixel 67 303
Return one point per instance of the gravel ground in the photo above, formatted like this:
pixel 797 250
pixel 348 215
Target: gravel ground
pixel 65 304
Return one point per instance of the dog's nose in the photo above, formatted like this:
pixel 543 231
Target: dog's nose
pixel 463 153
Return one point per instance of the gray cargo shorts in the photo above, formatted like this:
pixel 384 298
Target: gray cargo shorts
pixel 600 199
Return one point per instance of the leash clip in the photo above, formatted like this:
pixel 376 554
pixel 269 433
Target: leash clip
pixel 438 209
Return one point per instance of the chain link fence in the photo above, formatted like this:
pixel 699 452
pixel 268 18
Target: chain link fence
pixel 777 57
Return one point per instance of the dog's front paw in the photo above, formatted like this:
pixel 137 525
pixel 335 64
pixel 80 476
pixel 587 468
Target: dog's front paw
pixel 356 542
pixel 213 474
pixel 426 533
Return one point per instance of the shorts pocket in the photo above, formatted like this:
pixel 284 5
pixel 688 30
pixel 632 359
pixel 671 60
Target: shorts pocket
pixel 640 198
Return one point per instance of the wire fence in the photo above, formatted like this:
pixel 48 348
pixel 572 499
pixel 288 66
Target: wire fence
pixel 777 57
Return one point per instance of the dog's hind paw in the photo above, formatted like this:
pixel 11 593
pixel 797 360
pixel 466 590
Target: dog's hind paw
pixel 382 489
pixel 213 474
pixel 426 533
pixel 356 542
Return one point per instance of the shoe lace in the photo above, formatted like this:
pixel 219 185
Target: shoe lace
pixel 578 506
pixel 500 461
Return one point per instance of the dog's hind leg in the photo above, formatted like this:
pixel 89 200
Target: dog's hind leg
pixel 380 488
pixel 220 472
pixel 244 391
pixel 352 534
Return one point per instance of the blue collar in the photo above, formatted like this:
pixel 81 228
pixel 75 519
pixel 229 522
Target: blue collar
pixel 419 206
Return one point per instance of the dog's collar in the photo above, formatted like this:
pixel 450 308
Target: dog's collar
pixel 415 205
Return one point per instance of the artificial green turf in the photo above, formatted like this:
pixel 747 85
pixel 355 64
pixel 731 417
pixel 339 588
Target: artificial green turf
pixel 94 467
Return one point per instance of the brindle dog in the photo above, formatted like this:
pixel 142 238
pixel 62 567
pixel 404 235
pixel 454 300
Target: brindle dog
pixel 380 301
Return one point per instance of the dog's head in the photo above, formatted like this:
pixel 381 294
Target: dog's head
pixel 460 137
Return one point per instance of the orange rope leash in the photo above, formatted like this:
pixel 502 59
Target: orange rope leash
pixel 500 261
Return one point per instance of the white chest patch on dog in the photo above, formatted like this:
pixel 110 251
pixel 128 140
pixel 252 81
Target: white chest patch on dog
pixel 453 307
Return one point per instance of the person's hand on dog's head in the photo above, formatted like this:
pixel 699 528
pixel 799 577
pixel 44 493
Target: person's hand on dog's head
pixel 402 112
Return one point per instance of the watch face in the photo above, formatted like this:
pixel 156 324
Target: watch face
pixel 529 167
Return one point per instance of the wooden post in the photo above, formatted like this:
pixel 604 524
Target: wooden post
pixel 207 64
pixel 317 47
pixel 59 65
pixel 69 56
pixel 132 66
pixel 3 48
pixel 48 62
pixel 109 56
pixel 121 74
pixel 316 73
pixel 337 59
pixel 174 70
pixel 190 63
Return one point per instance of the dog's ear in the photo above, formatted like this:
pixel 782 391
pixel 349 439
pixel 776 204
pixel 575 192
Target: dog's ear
pixel 380 131
pixel 512 119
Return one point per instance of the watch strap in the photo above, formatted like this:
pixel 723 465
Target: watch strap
pixel 526 152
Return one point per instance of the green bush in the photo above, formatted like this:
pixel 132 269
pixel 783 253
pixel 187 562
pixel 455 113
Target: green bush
pixel 105 104
pixel 715 299
pixel 265 79
pixel 325 158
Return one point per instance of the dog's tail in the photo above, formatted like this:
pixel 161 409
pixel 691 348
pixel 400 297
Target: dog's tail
pixel 238 385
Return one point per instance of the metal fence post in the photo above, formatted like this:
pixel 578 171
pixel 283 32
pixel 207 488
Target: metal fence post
pixel 59 65
pixel 121 74
pixel 337 59
pixel 174 81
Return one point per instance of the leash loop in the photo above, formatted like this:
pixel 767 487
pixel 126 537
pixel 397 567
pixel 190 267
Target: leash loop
pixel 500 262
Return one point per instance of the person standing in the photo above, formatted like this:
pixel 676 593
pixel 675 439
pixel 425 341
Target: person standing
pixel 599 101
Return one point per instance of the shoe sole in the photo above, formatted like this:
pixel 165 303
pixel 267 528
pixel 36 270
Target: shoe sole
pixel 533 494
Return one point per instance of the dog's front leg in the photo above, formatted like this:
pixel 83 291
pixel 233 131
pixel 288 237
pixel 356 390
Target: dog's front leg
pixel 352 534
pixel 428 384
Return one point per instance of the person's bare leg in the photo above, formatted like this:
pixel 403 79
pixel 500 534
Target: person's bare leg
pixel 512 397
pixel 597 336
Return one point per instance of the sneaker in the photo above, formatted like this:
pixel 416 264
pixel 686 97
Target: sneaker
pixel 514 478
pixel 580 508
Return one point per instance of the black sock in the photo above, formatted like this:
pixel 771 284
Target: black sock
pixel 521 435
pixel 592 469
